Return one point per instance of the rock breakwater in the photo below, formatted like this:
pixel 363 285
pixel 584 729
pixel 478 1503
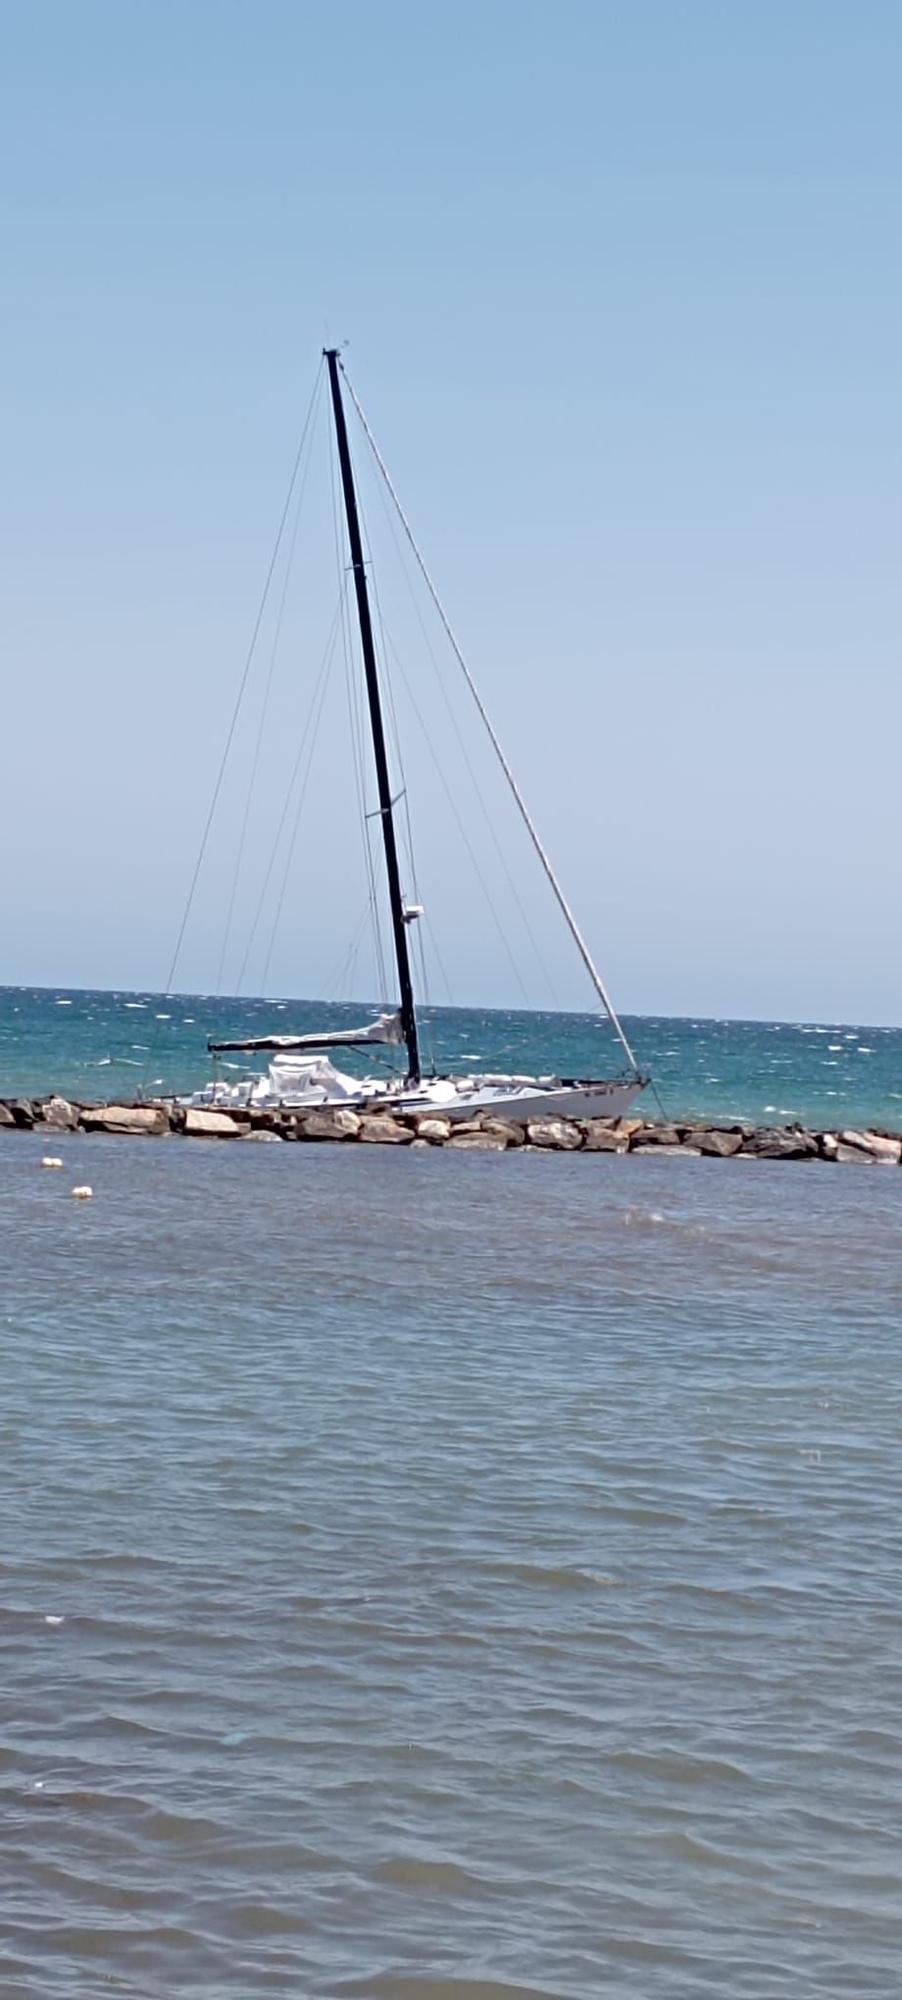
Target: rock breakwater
pixel 378 1126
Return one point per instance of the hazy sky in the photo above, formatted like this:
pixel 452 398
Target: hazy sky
pixel 621 284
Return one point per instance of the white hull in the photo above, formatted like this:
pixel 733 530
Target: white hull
pixel 522 1099
pixel 298 1087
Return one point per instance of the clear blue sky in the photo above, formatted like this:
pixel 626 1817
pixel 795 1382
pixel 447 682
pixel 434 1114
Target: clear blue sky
pixel 622 289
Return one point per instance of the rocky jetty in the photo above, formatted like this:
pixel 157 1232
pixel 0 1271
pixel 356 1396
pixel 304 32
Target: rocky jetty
pixel 379 1127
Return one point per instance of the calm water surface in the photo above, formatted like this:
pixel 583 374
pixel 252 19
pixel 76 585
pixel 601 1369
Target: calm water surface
pixel 448 1578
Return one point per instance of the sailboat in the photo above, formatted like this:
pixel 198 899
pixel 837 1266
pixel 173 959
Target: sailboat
pixel 302 1073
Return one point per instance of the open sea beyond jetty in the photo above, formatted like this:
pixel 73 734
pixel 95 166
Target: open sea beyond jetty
pixel 444 1576
pixel 109 1045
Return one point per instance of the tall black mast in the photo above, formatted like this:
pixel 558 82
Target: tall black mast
pixel 396 901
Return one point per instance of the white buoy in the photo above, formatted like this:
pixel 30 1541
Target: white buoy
pixel 82 1193
pixel 48 1161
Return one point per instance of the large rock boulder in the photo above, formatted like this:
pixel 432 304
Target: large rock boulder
pixel 602 1137
pixel 477 1142
pixel 202 1124
pixel 655 1135
pixel 433 1128
pixel 665 1147
pixel 887 1152
pixel 132 1120
pixel 378 1128
pixel 559 1135
pixel 59 1113
pixel 719 1145
pixel 780 1144
pixel 6 1116
pixel 506 1129
pixel 334 1122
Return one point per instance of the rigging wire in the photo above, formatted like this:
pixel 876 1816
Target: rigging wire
pixel 313 730
pixel 286 804
pixel 426 927
pixel 352 685
pixel 389 691
pixel 255 762
pixel 388 645
pixel 487 817
pixel 563 905
pixel 241 690
pixel 462 830
pixel 407 827
pixel 658 1100
pixel 419 946
pixel 332 989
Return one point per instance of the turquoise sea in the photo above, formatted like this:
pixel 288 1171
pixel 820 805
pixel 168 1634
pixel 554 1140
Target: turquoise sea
pixel 432 1576
pixel 101 1044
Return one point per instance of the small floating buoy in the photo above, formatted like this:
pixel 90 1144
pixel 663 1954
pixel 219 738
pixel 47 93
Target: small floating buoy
pixel 48 1161
pixel 82 1193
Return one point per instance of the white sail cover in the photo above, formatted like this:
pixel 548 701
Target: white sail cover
pixel 386 1029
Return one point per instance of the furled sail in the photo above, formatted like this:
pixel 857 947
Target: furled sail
pixel 387 1029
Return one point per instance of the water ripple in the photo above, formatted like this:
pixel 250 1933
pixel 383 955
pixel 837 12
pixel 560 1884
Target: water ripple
pixel 502 1606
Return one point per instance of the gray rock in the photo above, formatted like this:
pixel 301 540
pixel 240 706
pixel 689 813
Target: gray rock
pixel 655 1135
pixel 558 1134
pixel 132 1120
pixel 264 1138
pixel 854 1156
pixel 434 1129
pixel 602 1137
pixel 505 1128
pixel 291 1125
pixel 59 1113
pixel 338 1122
pixel 6 1116
pixel 685 1152
pixel 887 1152
pixel 780 1144
pixel 719 1145
pixel 201 1124
pixel 477 1142
pixel 378 1129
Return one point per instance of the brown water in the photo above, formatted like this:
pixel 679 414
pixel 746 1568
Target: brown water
pixel 448 1578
